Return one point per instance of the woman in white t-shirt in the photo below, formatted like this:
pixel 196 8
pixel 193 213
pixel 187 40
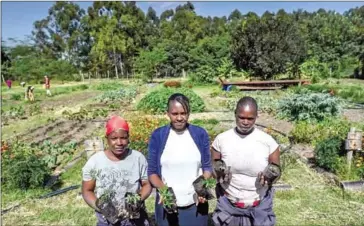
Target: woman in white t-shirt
pixel 246 198
pixel 178 153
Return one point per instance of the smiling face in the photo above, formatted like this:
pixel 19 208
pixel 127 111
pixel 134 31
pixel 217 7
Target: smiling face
pixel 178 115
pixel 245 117
pixel 118 141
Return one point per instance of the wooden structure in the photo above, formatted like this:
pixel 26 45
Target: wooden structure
pixel 353 143
pixel 93 145
pixel 262 85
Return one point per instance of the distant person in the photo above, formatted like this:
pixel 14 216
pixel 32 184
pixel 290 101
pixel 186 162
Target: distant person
pixel 29 93
pixel 22 84
pixel 47 84
pixel 8 83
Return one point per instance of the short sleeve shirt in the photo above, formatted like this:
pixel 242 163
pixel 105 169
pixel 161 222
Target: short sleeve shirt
pixel 116 177
pixel 247 156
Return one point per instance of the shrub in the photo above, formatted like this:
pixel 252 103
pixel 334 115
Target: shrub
pixel 22 168
pixel 327 153
pixel 204 74
pixel 308 106
pixel 156 101
pixel 55 154
pixel 313 133
pixel 175 84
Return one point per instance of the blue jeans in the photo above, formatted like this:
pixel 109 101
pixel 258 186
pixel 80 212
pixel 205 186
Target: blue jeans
pixel 186 216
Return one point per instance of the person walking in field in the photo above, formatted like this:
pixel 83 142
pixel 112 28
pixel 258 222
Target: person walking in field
pixel 29 93
pixel 47 84
pixel 253 157
pixel 8 83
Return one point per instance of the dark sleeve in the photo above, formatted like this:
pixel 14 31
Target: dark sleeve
pixel 206 160
pixel 153 154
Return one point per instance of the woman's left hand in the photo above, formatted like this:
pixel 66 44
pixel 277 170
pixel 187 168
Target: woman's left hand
pixel 201 199
pixel 262 180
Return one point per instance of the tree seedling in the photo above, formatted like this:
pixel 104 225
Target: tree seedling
pixel 169 201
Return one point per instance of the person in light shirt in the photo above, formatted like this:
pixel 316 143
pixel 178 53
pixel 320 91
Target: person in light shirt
pixel 178 153
pixel 247 197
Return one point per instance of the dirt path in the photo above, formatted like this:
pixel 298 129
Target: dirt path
pixel 354 115
pixel 68 100
pixel 62 131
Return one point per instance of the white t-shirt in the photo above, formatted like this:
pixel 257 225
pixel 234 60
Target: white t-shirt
pixel 247 156
pixel 181 165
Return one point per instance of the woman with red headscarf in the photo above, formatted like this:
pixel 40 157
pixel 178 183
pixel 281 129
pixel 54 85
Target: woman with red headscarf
pixel 111 175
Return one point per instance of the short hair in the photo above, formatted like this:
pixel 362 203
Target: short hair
pixel 247 101
pixel 180 98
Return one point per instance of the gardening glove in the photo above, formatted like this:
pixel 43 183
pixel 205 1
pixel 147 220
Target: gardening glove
pixel 222 172
pixel 169 202
pixel 270 175
pixel 133 205
pixel 107 209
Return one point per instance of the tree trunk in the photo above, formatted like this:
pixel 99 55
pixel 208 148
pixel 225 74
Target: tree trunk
pixel 108 74
pixel 89 77
pixel 81 74
pixel 183 73
pixel 121 68
pixel 116 72
pixel 2 77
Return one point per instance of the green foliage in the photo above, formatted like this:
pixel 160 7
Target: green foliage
pixel 351 92
pixel 133 199
pixel 314 69
pixel 327 153
pixel 267 44
pixel 16 96
pixel 156 101
pixel 85 113
pixel 209 183
pixel 124 95
pixel 14 112
pixel 167 196
pixel 226 68
pixel 55 154
pixel 107 86
pixel 149 63
pixel 309 106
pixel 35 109
pixel 204 74
pixel 312 133
pixel 266 103
pixel 22 168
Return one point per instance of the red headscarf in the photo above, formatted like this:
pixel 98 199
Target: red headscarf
pixel 115 123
